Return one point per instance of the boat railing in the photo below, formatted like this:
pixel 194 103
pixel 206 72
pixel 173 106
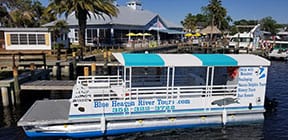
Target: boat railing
pixel 112 87
pixel 181 91
pixel 119 92
pixel 99 81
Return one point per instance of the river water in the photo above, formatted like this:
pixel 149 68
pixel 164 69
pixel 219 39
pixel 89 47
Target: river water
pixel 275 125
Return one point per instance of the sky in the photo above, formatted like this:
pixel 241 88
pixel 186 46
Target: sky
pixel 176 10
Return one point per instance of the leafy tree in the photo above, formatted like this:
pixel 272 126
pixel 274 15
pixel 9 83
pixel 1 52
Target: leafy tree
pixel 21 13
pixel 39 15
pixel 189 22
pixel 246 22
pixel 217 14
pixel 269 24
pixel 83 9
pixel 4 15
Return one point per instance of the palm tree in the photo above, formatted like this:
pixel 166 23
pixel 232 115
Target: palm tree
pixel 189 22
pixel 83 9
pixel 217 14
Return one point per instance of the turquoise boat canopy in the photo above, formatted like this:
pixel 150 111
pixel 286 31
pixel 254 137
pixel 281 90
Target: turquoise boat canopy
pixel 188 60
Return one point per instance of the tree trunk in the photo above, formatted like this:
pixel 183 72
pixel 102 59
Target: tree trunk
pixel 211 34
pixel 82 20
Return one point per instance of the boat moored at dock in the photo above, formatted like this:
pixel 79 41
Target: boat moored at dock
pixel 156 91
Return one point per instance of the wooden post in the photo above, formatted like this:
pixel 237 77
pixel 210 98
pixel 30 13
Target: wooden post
pixel 86 71
pixel 44 61
pixel 12 96
pixel 16 85
pixel 105 67
pixel 5 98
pixel 105 54
pixel 74 65
pixel 58 71
pixel 93 69
pixel 109 53
pixel 32 70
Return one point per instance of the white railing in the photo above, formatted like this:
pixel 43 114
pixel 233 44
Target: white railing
pixel 161 92
pixel 181 91
pixel 100 81
pixel 112 87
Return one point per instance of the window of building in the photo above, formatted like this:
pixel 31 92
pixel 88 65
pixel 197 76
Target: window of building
pixel 41 39
pixel 23 39
pixel 76 34
pixel 32 39
pixel 14 39
pixel 91 35
pixel 27 39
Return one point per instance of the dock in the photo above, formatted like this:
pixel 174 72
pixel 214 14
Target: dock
pixel 60 85
pixel 10 86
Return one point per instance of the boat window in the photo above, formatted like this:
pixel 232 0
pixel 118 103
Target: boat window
pixel 225 81
pixel 152 76
pixel 232 75
pixel 184 76
pixel 190 76
pixel 220 76
pixel 242 39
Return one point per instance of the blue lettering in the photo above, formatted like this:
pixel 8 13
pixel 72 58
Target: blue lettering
pixel 100 104
pixel 145 103
pixel 183 102
pixel 122 104
pixel 164 102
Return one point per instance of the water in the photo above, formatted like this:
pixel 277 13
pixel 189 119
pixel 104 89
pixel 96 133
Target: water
pixel 275 125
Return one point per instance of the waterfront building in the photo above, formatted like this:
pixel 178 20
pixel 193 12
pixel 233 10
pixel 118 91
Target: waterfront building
pixel 25 39
pixel 131 18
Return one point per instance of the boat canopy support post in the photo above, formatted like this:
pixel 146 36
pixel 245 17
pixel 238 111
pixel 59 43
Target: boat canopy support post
pixel 124 76
pixel 173 81
pixel 209 87
pixel 167 81
pixel 130 81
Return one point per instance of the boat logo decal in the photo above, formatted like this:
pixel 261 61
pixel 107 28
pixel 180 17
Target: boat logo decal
pixel 262 73
pixel 225 101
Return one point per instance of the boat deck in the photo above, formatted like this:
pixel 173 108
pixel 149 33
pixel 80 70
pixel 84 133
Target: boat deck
pixel 46 112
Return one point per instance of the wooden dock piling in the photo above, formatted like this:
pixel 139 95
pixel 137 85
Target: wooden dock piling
pixel 93 69
pixel 86 71
pixel 58 70
pixel 5 98
pixel 16 85
pixel 74 65
pixel 32 69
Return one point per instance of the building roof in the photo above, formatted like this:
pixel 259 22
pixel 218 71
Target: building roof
pixel 126 16
pixel 210 30
pixel 189 60
pixel 24 29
